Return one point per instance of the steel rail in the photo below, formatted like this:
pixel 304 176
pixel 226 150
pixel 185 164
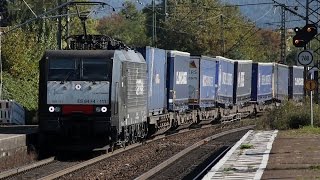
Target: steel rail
pixel 92 161
pixel 205 170
pixel 17 170
pixel 164 164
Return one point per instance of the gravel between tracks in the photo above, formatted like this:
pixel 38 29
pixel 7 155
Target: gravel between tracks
pixel 42 171
pixel 130 164
pixel 188 166
pixel 19 158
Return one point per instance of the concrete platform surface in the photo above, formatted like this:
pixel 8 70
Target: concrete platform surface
pixel 16 137
pixel 294 155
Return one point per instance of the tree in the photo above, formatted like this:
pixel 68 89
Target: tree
pixel 4 13
pixel 207 27
pixel 21 53
pixel 127 26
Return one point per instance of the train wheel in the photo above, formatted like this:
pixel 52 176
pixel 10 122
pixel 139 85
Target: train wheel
pixel 112 147
pixel 123 144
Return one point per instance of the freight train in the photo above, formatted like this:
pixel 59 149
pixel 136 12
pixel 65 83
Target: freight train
pixel 93 97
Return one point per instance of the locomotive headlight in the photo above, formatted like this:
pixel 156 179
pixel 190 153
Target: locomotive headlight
pixel 57 109
pixel 78 87
pixel 51 109
pixel 104 109
pixel 98 109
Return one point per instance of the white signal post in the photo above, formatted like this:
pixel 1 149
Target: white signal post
pixel 311 85
pixel 311 108
pixel 311 101
pixel 305 58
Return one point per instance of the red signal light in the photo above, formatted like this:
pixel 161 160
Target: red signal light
pixel 305 35
pixel 298 41
pixel 309 29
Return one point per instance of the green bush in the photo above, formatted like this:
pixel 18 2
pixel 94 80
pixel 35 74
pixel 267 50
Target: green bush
pixel 25 92
pixel 290 115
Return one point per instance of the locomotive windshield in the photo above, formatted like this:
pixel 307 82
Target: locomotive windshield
pixel 62 69
pixel 94 70
pixel 79 70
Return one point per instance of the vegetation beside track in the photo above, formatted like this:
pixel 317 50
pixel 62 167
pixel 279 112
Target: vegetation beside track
pixel 291 115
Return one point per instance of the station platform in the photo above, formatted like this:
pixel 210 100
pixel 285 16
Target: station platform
pixel 16 138
pixel 247 159
pixel 295 155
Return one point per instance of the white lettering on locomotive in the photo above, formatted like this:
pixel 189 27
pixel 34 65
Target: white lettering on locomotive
pixel 70 93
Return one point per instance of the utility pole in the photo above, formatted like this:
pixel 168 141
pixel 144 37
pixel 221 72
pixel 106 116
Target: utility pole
pixel 154 24
pixel 1 80
pixel 165 10
pixel 59 33
pixel 63 24
pixel 305 72
pixel 222 40
pixel 283 47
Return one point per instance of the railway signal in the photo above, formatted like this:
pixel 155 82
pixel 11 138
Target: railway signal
pixel 305 35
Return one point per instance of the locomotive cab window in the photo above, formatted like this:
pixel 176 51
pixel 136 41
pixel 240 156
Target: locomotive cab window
pixel 62 70
pixel 95 70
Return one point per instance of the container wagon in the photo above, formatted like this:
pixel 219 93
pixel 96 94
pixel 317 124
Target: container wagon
pixel 296 83
pixel 262 82
pixel 158 116
pixel 178 73
pixel 234 88
pixel 262 86
pixel 202 89
pixel 280 82
pixel 225 89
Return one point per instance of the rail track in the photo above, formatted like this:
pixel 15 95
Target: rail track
pixel 118 160
pixel 188 163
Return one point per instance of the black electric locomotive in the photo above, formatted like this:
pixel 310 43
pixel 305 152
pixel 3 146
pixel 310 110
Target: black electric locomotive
pixel 92 98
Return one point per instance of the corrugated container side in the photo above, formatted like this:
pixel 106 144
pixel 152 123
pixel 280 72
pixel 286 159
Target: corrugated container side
pixel 207 82
pixel 262 75
pixel 244 74
pixel 11 112
pixel 177 80
pixel 193 81
pixel 296 83
pixel 133 95
pixel 225 80
pixel 281 81
pixel 156 63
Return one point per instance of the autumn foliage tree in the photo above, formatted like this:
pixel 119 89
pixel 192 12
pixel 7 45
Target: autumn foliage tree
pixel 210 28
pixel 128 26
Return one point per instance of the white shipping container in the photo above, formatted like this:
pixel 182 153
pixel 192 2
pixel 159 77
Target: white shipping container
pixel 11 112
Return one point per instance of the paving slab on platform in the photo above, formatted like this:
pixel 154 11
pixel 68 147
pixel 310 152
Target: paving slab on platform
pixel 294 156
pixel 247 159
